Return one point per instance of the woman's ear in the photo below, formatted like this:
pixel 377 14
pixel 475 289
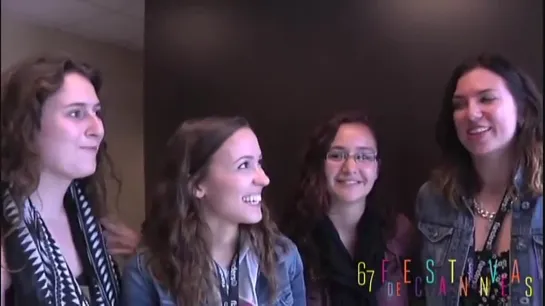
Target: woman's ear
pixel 199 191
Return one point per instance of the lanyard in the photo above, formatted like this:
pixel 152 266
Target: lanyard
pixel 492 236
pixel 229 293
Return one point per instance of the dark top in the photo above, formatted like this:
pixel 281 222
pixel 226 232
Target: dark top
pixel 341 269
pixel 493 292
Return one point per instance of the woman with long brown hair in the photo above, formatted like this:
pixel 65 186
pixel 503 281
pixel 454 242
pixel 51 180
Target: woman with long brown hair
pixel 54 166
pixel 208 239
pixel 340 225
pixel 481 214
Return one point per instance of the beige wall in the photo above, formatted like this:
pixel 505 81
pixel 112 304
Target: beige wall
pixel 122 96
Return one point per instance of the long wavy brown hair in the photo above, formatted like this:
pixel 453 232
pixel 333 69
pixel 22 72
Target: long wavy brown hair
pixel 173 232
pixel 312 200
pixel 456 174
pixel 26 86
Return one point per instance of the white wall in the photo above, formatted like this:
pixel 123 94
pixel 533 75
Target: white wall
pixel 122 96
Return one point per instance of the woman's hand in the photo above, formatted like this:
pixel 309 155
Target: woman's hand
pixel 120 239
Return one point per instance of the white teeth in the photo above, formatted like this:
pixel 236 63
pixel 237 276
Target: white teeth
pixel 478 130
pixel 252 199
pixel 350 182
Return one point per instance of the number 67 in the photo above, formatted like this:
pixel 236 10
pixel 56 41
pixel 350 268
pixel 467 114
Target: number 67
pixel 362 278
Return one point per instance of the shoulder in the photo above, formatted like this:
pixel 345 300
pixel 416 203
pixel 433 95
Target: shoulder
pixel 405 228
pixel 427 191
pixel 285 247
pixel 290 281
pixel 136 266
pixel 139 285
pixel 287 252
pixel 430 202
pixel 404 237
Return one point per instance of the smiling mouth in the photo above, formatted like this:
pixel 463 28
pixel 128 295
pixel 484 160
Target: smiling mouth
pixel 478 130
pixel 348 182
pixel 253 199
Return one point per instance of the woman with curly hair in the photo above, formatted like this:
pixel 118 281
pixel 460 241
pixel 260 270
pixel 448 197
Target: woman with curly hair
pixel 339 225
pixel 54 166
pixel 208 239
pixel 481 214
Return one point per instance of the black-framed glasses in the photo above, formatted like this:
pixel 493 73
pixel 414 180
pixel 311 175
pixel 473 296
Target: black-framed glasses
pixel 359 157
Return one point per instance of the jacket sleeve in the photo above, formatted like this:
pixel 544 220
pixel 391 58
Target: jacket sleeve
pixel 297 279
pixel 137 285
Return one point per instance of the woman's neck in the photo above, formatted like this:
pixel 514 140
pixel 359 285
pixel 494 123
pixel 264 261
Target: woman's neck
pixel 48 198
pixel 495 170
pixel 222 241
pixel 345 217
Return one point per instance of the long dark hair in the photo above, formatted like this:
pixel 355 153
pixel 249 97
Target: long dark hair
pixel 312 200
pixel 456 174
pixel 180 259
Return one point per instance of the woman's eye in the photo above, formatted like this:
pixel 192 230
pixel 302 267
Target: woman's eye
pixel 336 156
pixel 487 98
pixel 76 114
pixel 244 165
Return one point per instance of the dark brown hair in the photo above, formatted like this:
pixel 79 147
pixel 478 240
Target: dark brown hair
pixel 180 259
pixel 456 174
pixel 312 199
pixel 26 86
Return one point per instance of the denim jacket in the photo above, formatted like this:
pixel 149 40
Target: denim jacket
pixel 141 289
pixel 448 234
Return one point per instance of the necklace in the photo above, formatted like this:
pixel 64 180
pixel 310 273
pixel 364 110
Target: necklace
pixel 506 204
pixel 483 212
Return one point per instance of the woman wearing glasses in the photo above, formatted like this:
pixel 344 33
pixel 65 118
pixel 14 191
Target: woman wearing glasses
pixel 338 226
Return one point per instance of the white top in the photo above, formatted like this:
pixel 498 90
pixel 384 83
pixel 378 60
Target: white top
pixel 248 270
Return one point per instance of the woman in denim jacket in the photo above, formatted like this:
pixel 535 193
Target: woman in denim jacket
pixel 343 233
pixel 481 214
pixel 208 239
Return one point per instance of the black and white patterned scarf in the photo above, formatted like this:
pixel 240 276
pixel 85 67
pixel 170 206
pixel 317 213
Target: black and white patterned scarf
pixel 39 272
